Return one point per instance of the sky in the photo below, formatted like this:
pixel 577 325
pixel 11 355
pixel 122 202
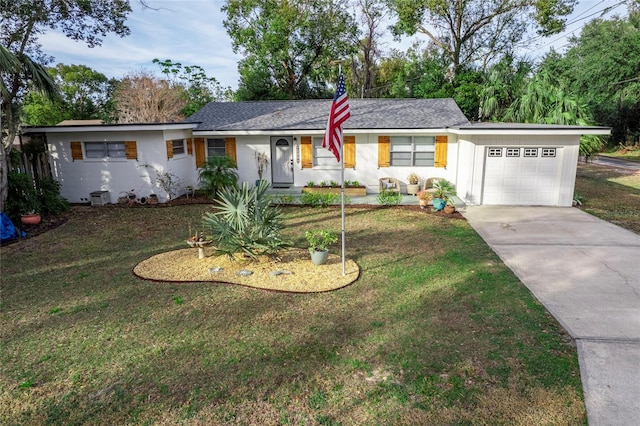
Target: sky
pixel 191 32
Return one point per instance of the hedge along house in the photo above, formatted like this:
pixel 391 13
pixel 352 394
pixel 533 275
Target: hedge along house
pixel 490 163
pixel 88 158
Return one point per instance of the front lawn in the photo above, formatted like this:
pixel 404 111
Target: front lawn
pixel 611 194
pixel 436 331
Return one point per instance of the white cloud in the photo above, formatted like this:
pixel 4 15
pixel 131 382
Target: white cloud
pixel 189 32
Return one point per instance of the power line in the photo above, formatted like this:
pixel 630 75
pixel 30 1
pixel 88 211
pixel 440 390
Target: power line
pixel 604 11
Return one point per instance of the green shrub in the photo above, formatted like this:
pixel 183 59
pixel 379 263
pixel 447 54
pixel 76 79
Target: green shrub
pixel 389 198
pixel 280 199
pixel 50 199
pixel 321 199
pixel 244 222
pixel 22 196
pixel 217 174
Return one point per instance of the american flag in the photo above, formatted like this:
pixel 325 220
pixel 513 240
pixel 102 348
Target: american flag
pixel 339 114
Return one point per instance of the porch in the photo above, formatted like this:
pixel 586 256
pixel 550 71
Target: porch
pixel 296 191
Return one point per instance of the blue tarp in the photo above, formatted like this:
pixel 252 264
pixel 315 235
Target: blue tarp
pixel 8 232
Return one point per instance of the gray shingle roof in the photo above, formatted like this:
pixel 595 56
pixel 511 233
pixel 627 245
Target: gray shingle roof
pixel 313 115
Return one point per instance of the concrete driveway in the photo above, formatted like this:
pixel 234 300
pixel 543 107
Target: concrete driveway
pixel 586 272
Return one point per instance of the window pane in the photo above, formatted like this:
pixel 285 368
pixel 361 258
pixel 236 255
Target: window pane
pixel 178 146
pixel 94 149
pixel 116 150
pixel 424 159
pixel 425 140
pixel 216 147
pixel 400 158
pixel 401 144
pixel 424 147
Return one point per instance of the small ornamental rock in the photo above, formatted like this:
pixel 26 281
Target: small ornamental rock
pixel 244 273
pixel 216 269
pixel 280 272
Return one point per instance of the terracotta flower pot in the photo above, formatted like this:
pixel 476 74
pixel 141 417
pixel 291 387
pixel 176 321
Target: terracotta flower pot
pixel 30 219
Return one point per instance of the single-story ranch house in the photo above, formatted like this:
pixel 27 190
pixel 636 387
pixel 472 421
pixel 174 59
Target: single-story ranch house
pixel 490 163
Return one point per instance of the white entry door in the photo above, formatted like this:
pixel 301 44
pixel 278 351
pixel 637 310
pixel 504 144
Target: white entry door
pixel 281 161
pixel 522 176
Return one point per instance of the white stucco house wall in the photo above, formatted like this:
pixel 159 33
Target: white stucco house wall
pixel 490 163
pixel 118 158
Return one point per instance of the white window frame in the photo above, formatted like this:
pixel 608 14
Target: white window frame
pixel 411 151
pixel 531 152
pixel 218 150
pixel 513 152
pixel 322 157
pixel 110 150
pixel 178 146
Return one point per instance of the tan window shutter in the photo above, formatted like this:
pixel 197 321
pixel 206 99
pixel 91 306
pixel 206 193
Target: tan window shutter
pixel 306 152
pixel 230 149
pixel 131 150
pixel 349 152
pixel 198 145
pixel 384 151
pixel 441 151
pixel 76 151
pixel 189 146
pixel 169 149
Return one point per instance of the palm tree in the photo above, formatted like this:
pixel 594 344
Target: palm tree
pixel 545 102
pixel 218 173
pixel 18 73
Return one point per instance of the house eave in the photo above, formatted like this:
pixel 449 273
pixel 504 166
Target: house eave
pixel 298 132
pixel 541 130
pixel 109 128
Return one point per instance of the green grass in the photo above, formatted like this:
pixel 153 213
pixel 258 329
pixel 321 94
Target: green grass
pixel 436 331
pixel 610 194
pixel 626 154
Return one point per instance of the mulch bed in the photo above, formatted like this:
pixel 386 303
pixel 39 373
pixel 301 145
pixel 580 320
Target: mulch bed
pixel 292 271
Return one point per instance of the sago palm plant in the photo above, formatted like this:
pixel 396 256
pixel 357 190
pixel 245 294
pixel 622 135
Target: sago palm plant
pixel 244 222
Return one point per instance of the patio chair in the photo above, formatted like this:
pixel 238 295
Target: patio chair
pixel 428 184
pixel 389 184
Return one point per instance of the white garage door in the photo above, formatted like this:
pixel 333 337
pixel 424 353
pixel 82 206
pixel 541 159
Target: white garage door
pixel 522 176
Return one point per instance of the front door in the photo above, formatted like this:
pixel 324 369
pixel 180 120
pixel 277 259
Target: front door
pixel 281 161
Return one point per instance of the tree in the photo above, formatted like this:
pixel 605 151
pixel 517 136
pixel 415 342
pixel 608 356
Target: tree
pixel 546 101
pixel 290 45
pixel 476 31
pixel 143 98
pixel 21 22
pixel 602 66
pixel 84 94
pixel 364 65
pixel 504 82
pixel 199 88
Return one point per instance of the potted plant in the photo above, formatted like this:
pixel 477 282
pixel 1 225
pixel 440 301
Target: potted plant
pixel 443 192
pixel 319 242
pixel 262 162
pixel 30 206
pixel 413 186
pixel 424 197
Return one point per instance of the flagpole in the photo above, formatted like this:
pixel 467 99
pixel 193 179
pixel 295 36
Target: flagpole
pixel 344 270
